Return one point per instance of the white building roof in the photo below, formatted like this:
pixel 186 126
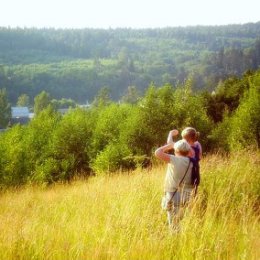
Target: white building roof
pixel 20 112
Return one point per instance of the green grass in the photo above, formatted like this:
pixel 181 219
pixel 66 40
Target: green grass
pixel 119 217
pixel 76 64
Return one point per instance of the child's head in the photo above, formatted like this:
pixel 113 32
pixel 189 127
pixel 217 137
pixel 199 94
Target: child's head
pixel 190 134
pixel 182 147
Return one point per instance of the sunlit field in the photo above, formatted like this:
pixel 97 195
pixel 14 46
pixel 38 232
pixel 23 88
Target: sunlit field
pixel 119 216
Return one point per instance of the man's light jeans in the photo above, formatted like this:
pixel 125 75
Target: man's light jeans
pixel 179 200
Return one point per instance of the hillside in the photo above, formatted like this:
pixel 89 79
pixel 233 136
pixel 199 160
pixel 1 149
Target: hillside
pixel 77 63
pixel 119 217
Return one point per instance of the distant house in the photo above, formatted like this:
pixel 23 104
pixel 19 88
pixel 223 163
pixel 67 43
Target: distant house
pixel 85 106
pixel 20 115
pixel 63 111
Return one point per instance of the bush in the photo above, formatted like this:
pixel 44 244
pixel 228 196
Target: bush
pixel 38 141
pixel 107 127
pixel 111 159
pixel 219 137
pixel 245 124
pixel 71 142
pixel 13 166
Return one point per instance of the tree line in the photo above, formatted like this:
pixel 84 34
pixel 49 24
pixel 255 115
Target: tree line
pixel 120 136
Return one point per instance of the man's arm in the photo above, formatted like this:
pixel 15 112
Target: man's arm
pixel 162 154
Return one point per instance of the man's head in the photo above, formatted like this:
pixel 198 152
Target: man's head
pixel 182 147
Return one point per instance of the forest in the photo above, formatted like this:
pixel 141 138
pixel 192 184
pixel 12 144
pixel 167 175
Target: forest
pixel 77 63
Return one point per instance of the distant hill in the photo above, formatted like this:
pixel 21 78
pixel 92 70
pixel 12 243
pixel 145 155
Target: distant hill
pixel 76 63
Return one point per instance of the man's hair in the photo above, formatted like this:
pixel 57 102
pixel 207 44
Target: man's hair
pixel 182 147
pixel 190 134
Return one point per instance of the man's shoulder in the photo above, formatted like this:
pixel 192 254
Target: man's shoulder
pixel 178 159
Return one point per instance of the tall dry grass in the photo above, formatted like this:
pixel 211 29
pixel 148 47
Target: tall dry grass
pixel 119 217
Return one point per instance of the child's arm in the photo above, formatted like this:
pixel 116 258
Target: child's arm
pixel 172 133
pixel 200 148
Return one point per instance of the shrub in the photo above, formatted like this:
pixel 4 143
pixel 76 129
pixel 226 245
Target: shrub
pixel 111 159
pixel 107 126
pixel 38 140
pixel 13 166
pixel 245 124
pixel 71 142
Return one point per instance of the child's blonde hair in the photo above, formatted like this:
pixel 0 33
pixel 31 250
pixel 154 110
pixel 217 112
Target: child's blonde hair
pixel 190 134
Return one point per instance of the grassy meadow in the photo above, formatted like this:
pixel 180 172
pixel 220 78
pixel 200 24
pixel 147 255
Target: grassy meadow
pixel 119 216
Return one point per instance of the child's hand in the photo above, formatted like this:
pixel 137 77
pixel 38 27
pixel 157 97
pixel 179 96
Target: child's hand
pixel 174 132
pixel 171 134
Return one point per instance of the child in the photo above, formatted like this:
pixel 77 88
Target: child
pixel 178 185
pixel 191 136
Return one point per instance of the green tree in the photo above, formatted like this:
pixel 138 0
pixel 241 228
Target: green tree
pixel 156 111
pixel 148 123
pixel 38 144
pixel 23 101
pixel 106 138
pixel 136 135
pixel 111 159
pixel 63 103
pixel 123 57
pixel 5 109
pixel 132 95
pixel 188 110
pixel 71 143
pixel 245 124
pixel 103 97
pixel 107 127
pixel 3 77
pixel 41 102
pixel 13 165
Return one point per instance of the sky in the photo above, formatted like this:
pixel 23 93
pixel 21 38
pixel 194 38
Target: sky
pixel 126 13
